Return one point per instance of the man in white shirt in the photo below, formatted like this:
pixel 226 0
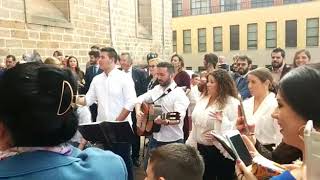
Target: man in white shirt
pixel 116 97
pixel 172 99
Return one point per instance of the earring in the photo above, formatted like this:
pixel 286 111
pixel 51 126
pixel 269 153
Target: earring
pixel 300 131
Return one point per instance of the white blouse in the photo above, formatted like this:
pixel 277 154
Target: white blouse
pixel 201 122
pixel 267 129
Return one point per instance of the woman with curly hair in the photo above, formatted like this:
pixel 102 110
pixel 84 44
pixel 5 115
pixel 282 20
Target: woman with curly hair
pixel 216 110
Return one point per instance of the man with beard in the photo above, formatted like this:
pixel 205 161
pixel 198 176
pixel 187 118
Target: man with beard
pixel 243 66
pixel 279 67
pixel 170 98
pixel 92 70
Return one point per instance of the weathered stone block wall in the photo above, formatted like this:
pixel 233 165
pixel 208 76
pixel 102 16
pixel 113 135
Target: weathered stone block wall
pixel 89 21
pixel 89 25
pixel 125 29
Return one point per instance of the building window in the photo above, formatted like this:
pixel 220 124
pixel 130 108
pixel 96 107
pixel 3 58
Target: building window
pixel 229 5
pixel 202 43
pixel 187 41
pixel 144 28
pixel 271 34
pixel 200 7
pixel 234 37
pixel 252 36
pixel 217 39
pixel 176 8
pixel 294 1
pixel 291 33
pixel 312 38
pixel 174 41
pixel 56 12
pixel 261 3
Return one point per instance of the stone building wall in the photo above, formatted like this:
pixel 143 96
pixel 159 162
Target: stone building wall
pixel 73 26
pixel 129 35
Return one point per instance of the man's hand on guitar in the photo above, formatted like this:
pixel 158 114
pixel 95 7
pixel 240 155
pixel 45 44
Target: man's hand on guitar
pixel 160 121
pixel 139 116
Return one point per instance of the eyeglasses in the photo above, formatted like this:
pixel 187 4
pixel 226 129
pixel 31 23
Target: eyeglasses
pixel 152 66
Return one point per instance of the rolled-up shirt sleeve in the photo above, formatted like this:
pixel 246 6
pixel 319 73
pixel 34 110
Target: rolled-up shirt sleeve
pixel 91 95
pixel 129 94
pixel 146 97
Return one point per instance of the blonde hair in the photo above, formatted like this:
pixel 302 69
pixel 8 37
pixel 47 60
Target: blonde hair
pixel 52 61
pixel 157 60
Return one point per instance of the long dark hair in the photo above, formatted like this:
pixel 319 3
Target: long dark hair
pixel 68 64
pixel 300 89
pixel 227 87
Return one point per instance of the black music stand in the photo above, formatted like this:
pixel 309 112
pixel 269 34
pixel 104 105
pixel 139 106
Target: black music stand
pixel 107 133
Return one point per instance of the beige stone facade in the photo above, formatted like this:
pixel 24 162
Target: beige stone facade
pixel 73 26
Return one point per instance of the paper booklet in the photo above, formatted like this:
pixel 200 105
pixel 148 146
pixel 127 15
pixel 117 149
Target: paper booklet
pixel 261 167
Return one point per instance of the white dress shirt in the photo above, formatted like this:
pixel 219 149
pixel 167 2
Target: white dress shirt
pixel 175 101
pixel 267 129
pixel 201 122
pixel 113 92
pixel 129 72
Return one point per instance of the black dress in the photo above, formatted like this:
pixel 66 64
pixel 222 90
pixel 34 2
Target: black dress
pixel 217 167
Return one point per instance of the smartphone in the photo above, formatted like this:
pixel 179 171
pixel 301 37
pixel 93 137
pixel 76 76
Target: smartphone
pixel 239 147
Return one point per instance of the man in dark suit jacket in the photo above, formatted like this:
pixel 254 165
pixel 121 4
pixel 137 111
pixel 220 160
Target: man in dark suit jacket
pixel 91 72
pixel 139 78
pixel 278 65
pixel 243 64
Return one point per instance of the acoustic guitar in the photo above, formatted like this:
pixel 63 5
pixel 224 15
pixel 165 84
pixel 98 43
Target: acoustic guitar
pixel 151 112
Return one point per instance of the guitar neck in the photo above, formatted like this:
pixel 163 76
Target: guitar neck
pixel 165 115
pixel 170 116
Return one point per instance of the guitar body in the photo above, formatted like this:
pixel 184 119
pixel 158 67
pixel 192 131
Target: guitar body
pixel 154 111
pixel 151 112
pixel 148 126
pixel 142 128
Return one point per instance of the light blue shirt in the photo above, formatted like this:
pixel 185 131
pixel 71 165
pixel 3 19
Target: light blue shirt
pixel 91 163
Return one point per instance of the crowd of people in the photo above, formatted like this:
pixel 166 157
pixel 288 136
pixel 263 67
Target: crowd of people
pixel 44 100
